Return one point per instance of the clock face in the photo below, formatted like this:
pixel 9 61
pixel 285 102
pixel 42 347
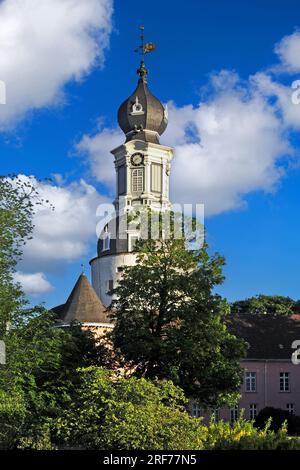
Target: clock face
pixel 137 159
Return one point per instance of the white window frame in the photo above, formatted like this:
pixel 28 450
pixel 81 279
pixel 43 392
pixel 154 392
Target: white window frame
pixel 132 239
pixel 252 411
pixel 290 408
pixel 234 414
pixel 250 382
pixel 215 414
pixel 196 410
pixel 106 239
pixel 137 180
pixel 284 382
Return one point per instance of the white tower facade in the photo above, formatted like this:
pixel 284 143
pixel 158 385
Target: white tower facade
pixel 142 178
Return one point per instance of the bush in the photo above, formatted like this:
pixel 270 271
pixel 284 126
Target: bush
pixel 129 414
pixel 244 436
pixel 12 417
pixel 278 418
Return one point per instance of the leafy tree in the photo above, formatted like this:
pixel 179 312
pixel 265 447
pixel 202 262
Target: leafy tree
pixel 18 198
pixel 118 413
pixel 170 325
pixel 264 305
pixel 41 373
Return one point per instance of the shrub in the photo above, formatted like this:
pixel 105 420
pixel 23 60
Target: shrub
pixel 244 436
pixel 12 418
pixel 279 417
pixel 129 414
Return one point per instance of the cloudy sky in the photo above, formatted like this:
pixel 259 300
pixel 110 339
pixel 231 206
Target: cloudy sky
pixel 227 72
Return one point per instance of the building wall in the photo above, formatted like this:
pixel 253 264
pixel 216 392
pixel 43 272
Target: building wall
pixel 267 391
pixel 106 269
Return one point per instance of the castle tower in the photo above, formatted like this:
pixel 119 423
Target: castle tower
pixel 142 177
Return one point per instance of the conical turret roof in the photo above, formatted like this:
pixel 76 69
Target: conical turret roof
pixel 83 305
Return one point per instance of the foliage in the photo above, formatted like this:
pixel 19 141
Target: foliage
pixel 12 417
pixel 169 323
pixel 118 413
pixel 279 417
pixel 41 375
pixel 242 435
pixel 265 305
pixel 18 198
pixel 115 413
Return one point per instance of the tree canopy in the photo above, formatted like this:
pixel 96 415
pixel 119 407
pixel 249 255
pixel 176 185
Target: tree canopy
pixel 266 304
pixel 169 323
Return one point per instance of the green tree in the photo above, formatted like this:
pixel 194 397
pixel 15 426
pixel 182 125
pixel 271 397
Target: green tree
pixel 170 325
pixel 18 198
pixel 127 414
pixel 40 375
pixel 265 305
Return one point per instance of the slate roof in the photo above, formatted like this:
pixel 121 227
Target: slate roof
pixel 83 305
pixel 269 336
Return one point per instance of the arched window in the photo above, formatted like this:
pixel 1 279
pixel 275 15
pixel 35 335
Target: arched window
pixel 106 239
pixel 137 180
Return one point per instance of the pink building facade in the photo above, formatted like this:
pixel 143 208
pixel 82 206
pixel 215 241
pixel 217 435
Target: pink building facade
pixel 271 379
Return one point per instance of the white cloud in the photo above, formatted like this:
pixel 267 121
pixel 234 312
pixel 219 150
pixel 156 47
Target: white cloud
pixel 270 88
pixel 33 284
pixel 43 45
pixel 62 235
pixel 288 50
pixel 227 146
pixel 97 147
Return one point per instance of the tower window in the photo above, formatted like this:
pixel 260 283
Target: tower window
pixel 137 180
pixel 106 239
pixel 109 286
pixel 121 180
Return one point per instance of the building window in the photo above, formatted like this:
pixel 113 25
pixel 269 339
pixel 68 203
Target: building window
pixel 121 180
pixel 250 381
pixel 252 411
pixel 109 286
pixel 215 415
pixel 290 408
pixel 196 410
pixel 284 381
pixel 132 242
pixel 105 239
pixel 137 180
pixel 234 414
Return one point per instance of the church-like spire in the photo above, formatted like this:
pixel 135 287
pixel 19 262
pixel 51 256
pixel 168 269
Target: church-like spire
pixel 142 116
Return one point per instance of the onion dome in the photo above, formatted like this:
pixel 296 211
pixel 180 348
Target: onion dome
pixel 142 116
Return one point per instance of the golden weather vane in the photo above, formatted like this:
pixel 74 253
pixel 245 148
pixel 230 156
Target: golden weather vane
pixel 145 48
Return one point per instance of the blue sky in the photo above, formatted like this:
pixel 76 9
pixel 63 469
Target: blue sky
pixel 60 119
